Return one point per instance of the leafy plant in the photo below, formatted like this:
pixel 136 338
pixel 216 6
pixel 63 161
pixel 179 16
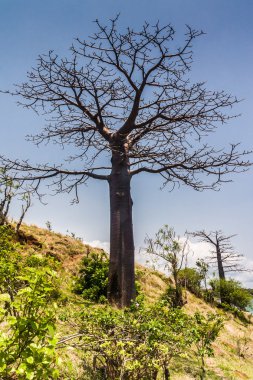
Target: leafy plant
pixel 233 293
pixel 191 279
pixel 206 330
pixel 27 321
pixel 203 267
pixel 92 279
pixel 167 246
pixel 136 343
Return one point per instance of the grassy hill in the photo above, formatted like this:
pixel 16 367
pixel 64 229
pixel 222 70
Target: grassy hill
pixel 233 349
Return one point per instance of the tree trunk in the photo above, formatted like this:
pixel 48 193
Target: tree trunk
pixel 220 264
pixel 121 288
pixel 221 272
pixel 178 290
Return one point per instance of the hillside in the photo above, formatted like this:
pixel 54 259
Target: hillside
pixel 233 349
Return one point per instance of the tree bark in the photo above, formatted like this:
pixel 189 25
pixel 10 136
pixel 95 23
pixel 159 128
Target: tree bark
pixel 220 264
pixel 221 272
pixel 121 287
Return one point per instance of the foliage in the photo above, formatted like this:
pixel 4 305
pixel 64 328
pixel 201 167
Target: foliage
pixel 235 311
pixel 92 280
pixel 143 341
pixel 136 343
pixel 27 342
pixel 191 279
pixel 206 330
pixel 166 246
pixel 232 293
pixel 203 267
pixel 172 296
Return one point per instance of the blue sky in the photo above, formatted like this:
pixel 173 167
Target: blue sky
pixel 223 58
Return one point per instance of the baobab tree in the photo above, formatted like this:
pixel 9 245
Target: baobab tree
pixel 124 102
pixel 223 254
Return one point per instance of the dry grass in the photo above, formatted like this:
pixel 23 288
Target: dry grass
pixel 65 249
pixel 153 284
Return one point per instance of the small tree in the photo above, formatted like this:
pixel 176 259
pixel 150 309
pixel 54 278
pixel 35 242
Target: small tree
pixel 10 190
pixel 125 103
pixel 203 267
pixel 27 313
pixel 7 192
pixel 172 251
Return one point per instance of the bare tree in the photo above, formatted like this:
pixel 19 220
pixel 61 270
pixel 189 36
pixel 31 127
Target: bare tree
pixel 223 255
pixel 125 103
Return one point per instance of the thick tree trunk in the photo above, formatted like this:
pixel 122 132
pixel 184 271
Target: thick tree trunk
pixel 121 288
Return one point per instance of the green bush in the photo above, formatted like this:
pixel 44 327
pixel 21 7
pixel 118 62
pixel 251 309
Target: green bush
pixel 27 342
pixel 143 341
pixel 136 343
pixel 191 279
pixel 232 292
pixel 92 279
pixel 171 296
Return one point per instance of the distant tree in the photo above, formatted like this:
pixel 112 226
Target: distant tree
pixel 203 267
pixel 6 194
pixel 223 254
pixel 125 103
pixel 9 190
pixel 26 204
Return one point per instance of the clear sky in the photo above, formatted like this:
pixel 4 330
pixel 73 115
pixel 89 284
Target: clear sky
pixel 223 58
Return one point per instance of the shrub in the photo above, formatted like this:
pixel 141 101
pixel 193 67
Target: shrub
pixel 92 279
pixel 191 279
pixel 232 293
pixel 171 296
pixel 136 343
pixel 27 322
pixel 142 342
pixel 206 330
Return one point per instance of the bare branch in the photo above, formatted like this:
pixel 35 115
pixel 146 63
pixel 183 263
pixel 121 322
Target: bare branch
pixel 128 93
pixel 223 254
